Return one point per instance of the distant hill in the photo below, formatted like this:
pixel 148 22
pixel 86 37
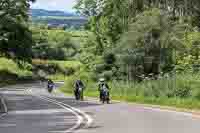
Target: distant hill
pixel 57 18
pixel 42 12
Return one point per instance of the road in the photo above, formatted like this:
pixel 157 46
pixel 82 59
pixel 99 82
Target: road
pixel 33 110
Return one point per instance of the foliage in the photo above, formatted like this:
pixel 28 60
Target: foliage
pixel 85 76
pixel 110 18
pixel 149 50
pixel 10 72
pixel 141 25
pixel 57 70
pixel 53 44
pixel 15 37
pixel 109 58
pixel 174 90
pixel 188 59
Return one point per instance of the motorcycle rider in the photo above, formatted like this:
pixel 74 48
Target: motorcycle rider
pixel 50 84
pixel 102 85
pixel 79 84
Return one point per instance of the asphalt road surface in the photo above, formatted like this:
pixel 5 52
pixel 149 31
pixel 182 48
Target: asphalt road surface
pixel 33 110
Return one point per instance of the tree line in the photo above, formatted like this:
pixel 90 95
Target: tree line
pixel 160 34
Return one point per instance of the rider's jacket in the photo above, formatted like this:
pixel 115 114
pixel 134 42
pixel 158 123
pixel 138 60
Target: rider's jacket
pixel 79 84
pixel 102 85
pixel 50 83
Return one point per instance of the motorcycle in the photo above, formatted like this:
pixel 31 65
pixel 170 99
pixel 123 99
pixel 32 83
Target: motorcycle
pixel 50 88
pixel 78 93
pixel 105 96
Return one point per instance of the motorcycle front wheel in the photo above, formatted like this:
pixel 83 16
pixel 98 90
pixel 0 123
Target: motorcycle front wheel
pixel 77 96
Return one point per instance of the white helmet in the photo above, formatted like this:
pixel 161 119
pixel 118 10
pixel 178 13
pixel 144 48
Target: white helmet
pixel 101 79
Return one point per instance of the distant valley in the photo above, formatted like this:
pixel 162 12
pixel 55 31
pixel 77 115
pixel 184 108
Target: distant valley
pixel 57 18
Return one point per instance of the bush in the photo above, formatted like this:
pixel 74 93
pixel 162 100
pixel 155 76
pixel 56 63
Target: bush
pixel 53 44
pixel 69 84
pixel 180 92
pixel 109 58
pixel 107 75
pixel 197 96
pixel 100 68
pixel 69 71
pixel 184 92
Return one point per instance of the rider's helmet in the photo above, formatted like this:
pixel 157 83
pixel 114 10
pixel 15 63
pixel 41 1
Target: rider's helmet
pixel 101 80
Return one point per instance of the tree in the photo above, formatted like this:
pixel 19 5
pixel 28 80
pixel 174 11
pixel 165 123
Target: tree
pixel 154 31
pixel 122 12
pixel 105 20
pixel 52 44
pixel 15 37
pixel 150 25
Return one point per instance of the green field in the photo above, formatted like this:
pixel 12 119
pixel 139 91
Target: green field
pixel 60 17
pixel 74 22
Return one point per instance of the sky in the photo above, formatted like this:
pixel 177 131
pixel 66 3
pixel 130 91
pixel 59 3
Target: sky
pixel 63 5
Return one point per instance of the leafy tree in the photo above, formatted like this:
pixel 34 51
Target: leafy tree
pixel 154 31
pixel 104 20
pixel 15 37
pixel 148 25
pixel 110 18
pixel 53 44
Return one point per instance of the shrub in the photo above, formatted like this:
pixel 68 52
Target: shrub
pixel 68 71
pixel 107 75
pixel 197 96
pixel 109 58
pixel 100 68
pixel 180 92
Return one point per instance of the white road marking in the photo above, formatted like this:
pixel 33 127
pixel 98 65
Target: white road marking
pixel 33 112
pixel 169 111
pixel 8 125
pixel 157 109
pixel 89 119
pixel 80 118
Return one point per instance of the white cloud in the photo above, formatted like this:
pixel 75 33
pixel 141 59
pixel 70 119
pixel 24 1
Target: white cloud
pixel 64 5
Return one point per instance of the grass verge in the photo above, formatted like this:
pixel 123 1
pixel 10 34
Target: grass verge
pixel 181 91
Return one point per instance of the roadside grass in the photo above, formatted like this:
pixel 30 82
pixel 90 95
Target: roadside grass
pixel 180 91
pixel 10 73
pixel 10 66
